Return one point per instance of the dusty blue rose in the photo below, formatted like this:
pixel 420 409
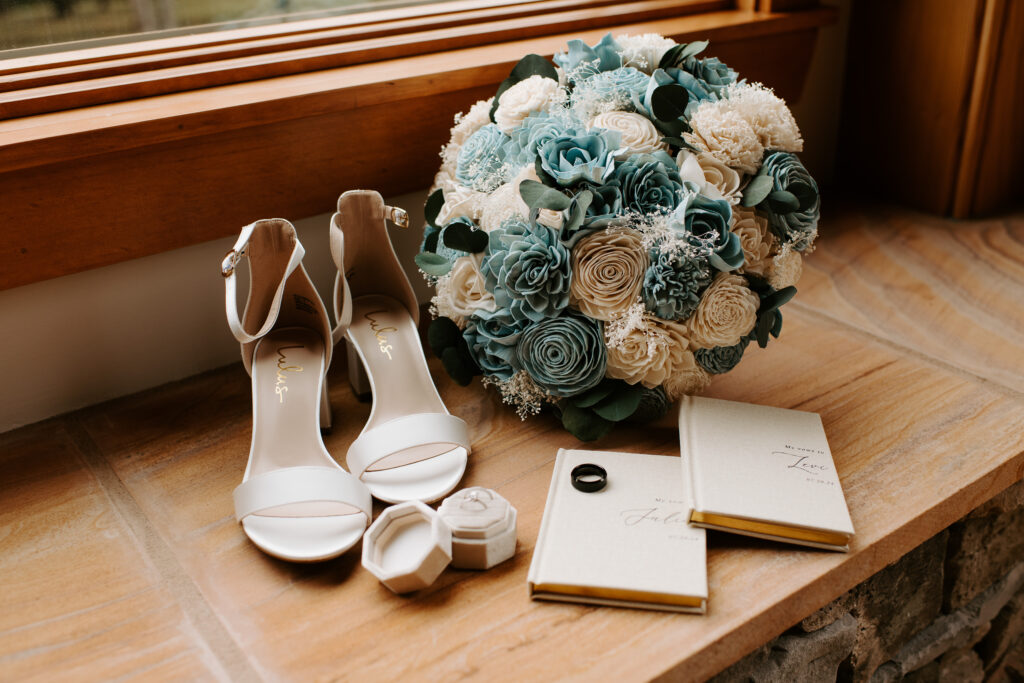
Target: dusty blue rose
pixel 481 161
pixel 674 282
pixel 568 159
pixel 711 71
pixel 582 61
pixel 492 337
pixel 606 204
pixel 649 183
pixel 721 359
pixel 623 85
pixel 705 222
pixel 536 129
pixel 528 270
pixel 564 355
pixel 798 227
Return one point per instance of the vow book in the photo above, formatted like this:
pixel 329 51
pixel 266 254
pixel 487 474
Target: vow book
pixel 762 471
pixel 627 545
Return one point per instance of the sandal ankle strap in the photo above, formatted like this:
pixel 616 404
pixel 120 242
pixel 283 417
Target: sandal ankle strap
pixel 228 266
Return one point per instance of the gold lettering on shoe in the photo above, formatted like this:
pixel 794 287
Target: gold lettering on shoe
pixel 380 332
pixel 282 367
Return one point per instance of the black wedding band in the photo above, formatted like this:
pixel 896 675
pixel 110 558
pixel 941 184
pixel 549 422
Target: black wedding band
pixel 583 478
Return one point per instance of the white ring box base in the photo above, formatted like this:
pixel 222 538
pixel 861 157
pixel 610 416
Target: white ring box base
pixel 407 547
pixel 483 526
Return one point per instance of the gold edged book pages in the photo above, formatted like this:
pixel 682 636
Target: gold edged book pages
pixel 626 545
pixel 762 471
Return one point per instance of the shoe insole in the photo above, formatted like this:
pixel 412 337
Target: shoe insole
pixel 287 371
pixel 385 337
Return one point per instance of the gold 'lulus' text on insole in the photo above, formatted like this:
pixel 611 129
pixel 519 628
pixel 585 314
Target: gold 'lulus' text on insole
pixel 380 332
pixel 281 387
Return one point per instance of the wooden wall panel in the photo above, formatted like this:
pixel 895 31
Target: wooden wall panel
pixel 910 67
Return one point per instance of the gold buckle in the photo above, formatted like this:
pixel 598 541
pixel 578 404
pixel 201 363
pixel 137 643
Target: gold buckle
pixel 399 217
pixel 227 266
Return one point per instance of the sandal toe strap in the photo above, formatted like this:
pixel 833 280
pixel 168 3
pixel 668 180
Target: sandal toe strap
pixel 394 436
pixel 290 485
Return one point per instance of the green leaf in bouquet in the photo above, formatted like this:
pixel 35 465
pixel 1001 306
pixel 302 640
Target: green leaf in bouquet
pixel 692 49
pixel 679 142
pixel 777 299
pixel 456 367
pixel 781 201
pixel 530 65
pixel 544 176
pixel 668 102
pixel 433 206
pixel 540 196
pixel 621 403
pixel 671 56
pixel 577 212
pixel 761 330
pixel 654 405
pixel 584 424
pixel 591 397
pixel 757 190
pixel 432 264
pixel 463 237
pixel 443 333
pixel 430 241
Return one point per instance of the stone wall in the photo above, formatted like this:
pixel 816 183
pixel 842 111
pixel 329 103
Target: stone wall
pixel 949 611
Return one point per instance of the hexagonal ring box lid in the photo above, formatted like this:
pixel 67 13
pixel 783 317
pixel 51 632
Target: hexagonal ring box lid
pixel 407 547
pixel 483 527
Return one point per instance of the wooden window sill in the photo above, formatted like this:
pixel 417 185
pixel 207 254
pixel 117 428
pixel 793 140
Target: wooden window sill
pixel 97 185
pixel 127 558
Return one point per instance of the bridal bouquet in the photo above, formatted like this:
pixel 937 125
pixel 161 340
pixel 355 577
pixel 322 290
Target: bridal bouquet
pixel 610 231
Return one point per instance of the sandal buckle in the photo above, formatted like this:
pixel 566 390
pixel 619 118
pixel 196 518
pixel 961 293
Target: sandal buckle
pixel 399 217
pixel 227 266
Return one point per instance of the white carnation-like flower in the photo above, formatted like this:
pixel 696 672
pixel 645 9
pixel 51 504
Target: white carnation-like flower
pixel 459 201
pixel 767 115
pixel 644 52
pixel 786 268
pixel 535 94
pixel 755 239
pixel 638 134
pixel 506 202
pixel 713 178
pixel 725 135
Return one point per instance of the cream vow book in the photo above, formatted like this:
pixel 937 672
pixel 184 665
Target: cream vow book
pixel 762 471
pixel 627 545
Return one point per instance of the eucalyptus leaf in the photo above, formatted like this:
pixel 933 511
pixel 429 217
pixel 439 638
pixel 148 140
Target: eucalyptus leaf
pixel 442 334
pixel 782 201
pixel 584 424
pixel 540 196
pixel 692 49
pixel 578 212
pixel 462 237
pixel 621 404
pixel 432 264
pixel 758 188
pixel 454 366
pixel 430 241
pixel 433 206
pixel 778 298
pixel 669 102
pixel 544 176
pixel 589 399
pixel 671 57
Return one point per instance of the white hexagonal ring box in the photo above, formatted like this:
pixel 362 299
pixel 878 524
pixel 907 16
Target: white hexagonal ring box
pixel 483 526
pixel 407 547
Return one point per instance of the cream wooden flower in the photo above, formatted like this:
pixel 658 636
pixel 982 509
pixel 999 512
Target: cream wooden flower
pixel 607 272
pixel 459 201
pixel 755 238
pixel 639 136
pixel 786 268
pixel 642 356
pixel 686 376
pixel 644 52
pixel 713 178
pixel 478 116
pixel 535 94
pixel 726 313
pixel 462 291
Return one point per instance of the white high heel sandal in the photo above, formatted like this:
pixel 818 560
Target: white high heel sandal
pixel 411 448
pixel 295 502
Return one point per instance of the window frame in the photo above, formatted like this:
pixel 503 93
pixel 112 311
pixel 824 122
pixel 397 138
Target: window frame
pixel 95 185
